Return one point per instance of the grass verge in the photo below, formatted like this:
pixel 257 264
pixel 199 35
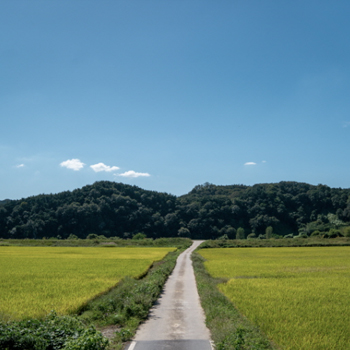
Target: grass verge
pixel 128 304
pixel 229 329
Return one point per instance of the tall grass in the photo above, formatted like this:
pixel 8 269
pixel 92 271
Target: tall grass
pixel 36 280
pixel 298 296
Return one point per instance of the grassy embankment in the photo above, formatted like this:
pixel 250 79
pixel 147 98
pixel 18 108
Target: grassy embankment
pixel 297 296
pixel 124 306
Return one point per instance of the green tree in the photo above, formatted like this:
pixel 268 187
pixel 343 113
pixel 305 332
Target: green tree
pixel 139 236
pixel 229 231
pixel 240 233
pixel 269 232
pixel 347 232
pixel 184 232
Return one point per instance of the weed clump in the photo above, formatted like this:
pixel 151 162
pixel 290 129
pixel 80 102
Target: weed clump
pixel 54 333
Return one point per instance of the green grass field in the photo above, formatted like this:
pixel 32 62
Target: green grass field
pixel 36 280
pixel 299 297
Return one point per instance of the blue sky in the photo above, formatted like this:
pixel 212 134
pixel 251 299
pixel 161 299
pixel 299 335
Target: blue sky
pixel 167 95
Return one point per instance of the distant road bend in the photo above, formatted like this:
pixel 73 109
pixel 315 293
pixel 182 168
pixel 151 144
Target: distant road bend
pixel 177 320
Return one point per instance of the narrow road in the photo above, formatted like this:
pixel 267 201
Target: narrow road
pixel 176 322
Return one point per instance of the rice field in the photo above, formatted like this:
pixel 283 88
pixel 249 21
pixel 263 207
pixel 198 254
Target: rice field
pixel 299 297
pixel 36 280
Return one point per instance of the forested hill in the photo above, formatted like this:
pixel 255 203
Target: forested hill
pixel 104 208
pixel 207 212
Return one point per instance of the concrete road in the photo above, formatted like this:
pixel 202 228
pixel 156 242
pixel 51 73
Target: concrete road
pixel 177 320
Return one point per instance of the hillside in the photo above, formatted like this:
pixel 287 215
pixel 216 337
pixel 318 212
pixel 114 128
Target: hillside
pixel 207 212
pixel 288 207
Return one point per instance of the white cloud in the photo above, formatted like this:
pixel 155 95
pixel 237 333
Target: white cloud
pixel 264 161
pixel 132 173
pixel 250 163
pixel 74 164
pixel 20 166
pixel 103 167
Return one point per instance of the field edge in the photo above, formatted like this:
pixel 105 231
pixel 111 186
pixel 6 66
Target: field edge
pixel 229 329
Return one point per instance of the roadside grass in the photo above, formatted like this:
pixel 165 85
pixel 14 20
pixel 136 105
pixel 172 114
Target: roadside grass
pixel 128 304
pixel 230 330
pixel 297 296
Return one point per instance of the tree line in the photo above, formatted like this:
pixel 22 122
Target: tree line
pixel 208 211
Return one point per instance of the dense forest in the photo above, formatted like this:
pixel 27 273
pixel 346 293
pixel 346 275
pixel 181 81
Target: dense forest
pixel 207 212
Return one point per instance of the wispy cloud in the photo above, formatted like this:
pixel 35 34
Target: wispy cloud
pixel 74 164
pixel 250 163
pixel 20 166
pixel 346 124
pixel 132 173
pixel 103 167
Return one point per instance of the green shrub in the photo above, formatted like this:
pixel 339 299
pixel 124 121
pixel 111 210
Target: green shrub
pixel 139 236
pixel 269 232
pixel 90 339
pixel 52 333
pixel 92 236
pixel 183 232
pixel 235 340
pixel 347 232
pixel 240 233
pixel 124 334
pixel 333 233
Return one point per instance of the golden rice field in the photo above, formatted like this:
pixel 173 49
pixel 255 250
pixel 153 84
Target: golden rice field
pixel 36 280
pixel 299 297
